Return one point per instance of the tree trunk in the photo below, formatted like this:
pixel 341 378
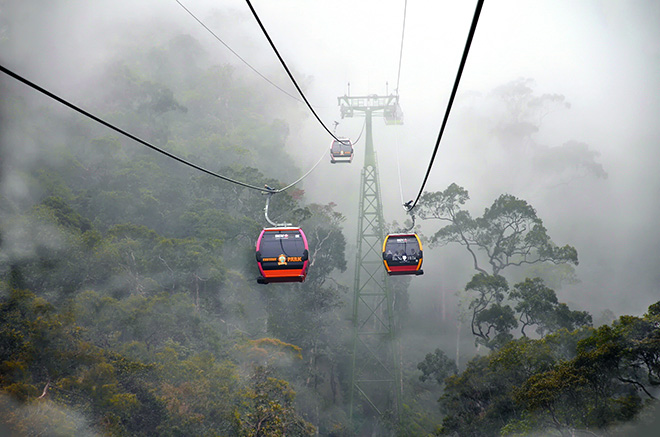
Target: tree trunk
pixel 458 343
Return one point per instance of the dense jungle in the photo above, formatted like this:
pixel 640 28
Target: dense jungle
pixel 129 304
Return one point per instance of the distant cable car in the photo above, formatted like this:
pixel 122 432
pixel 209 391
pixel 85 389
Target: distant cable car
pixel 341 151
pixel 393 114
pixel 402 254
pixel 282 255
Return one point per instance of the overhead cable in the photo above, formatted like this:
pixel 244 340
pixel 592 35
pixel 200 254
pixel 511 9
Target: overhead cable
pixel 473 28
pixel 396 90
pixel 361 131
pixel 236 54
pixel 293 80
pixel 398 164
pixel 139 140
pixel 403 32
pixel 324 155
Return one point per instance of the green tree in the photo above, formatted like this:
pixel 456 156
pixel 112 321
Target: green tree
pixel 509 233
pixel 268 408
pixel 481 400
pixel 475 401
pixel 200 393
pixel 537 305
pixel 566 383
pixel 437 366
pixel 492 321
pixel 36 344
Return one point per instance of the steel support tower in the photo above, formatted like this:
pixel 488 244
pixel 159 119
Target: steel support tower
pixel 376 375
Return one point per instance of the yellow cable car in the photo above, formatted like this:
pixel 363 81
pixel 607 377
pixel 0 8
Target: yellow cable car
pixel 402 254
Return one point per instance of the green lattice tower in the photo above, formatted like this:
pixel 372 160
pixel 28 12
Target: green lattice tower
pixel 375 375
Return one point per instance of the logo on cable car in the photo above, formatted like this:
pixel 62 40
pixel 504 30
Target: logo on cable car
pixel 281 260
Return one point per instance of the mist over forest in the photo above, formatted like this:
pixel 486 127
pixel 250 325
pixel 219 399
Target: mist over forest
pixel 128 296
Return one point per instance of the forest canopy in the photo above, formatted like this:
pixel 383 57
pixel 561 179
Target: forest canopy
pixel 128 300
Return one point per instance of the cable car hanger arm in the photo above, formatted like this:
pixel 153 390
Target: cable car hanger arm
pixel 270 194
pixel 407 206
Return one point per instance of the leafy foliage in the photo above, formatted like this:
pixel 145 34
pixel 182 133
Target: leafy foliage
pixel 128 304
pixel 269 410
pixel 538 305
pixel 584 380
pixel 127 299
pixel 509 233
pixel 437 366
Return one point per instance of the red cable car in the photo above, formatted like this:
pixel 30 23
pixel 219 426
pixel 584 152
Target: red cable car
pixel 341 151
pixel 402 254
pixel 282 255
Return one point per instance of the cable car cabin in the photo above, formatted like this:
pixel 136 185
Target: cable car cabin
pixel 341 151
pixel 282 255
pixel 393 114
pixel 402 254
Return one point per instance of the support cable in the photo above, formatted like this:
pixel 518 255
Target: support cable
pixel 324 155
pixel 143 142
pixel 361 132
pixel 359 135
pixel 236 54
pixel 396 91
pixel 293 80
pixel 398 164
pixel 473 27
pixel 403 32
pixel 396 137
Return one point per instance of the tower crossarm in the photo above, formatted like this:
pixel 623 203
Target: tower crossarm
pixel 368 103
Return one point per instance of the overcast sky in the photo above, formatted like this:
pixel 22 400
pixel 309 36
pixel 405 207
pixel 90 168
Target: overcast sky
pixel 603 56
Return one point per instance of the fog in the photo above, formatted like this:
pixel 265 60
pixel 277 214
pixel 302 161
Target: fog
pixel 601 56
pixel 590 169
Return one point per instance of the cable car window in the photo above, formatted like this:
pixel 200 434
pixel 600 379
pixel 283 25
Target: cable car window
pixel 274 244
pixel 338 147
pixel 402 249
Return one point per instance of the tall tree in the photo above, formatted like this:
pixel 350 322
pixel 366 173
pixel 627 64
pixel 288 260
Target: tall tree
pixel 509 233
pixel 492 320
pixel 538 305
